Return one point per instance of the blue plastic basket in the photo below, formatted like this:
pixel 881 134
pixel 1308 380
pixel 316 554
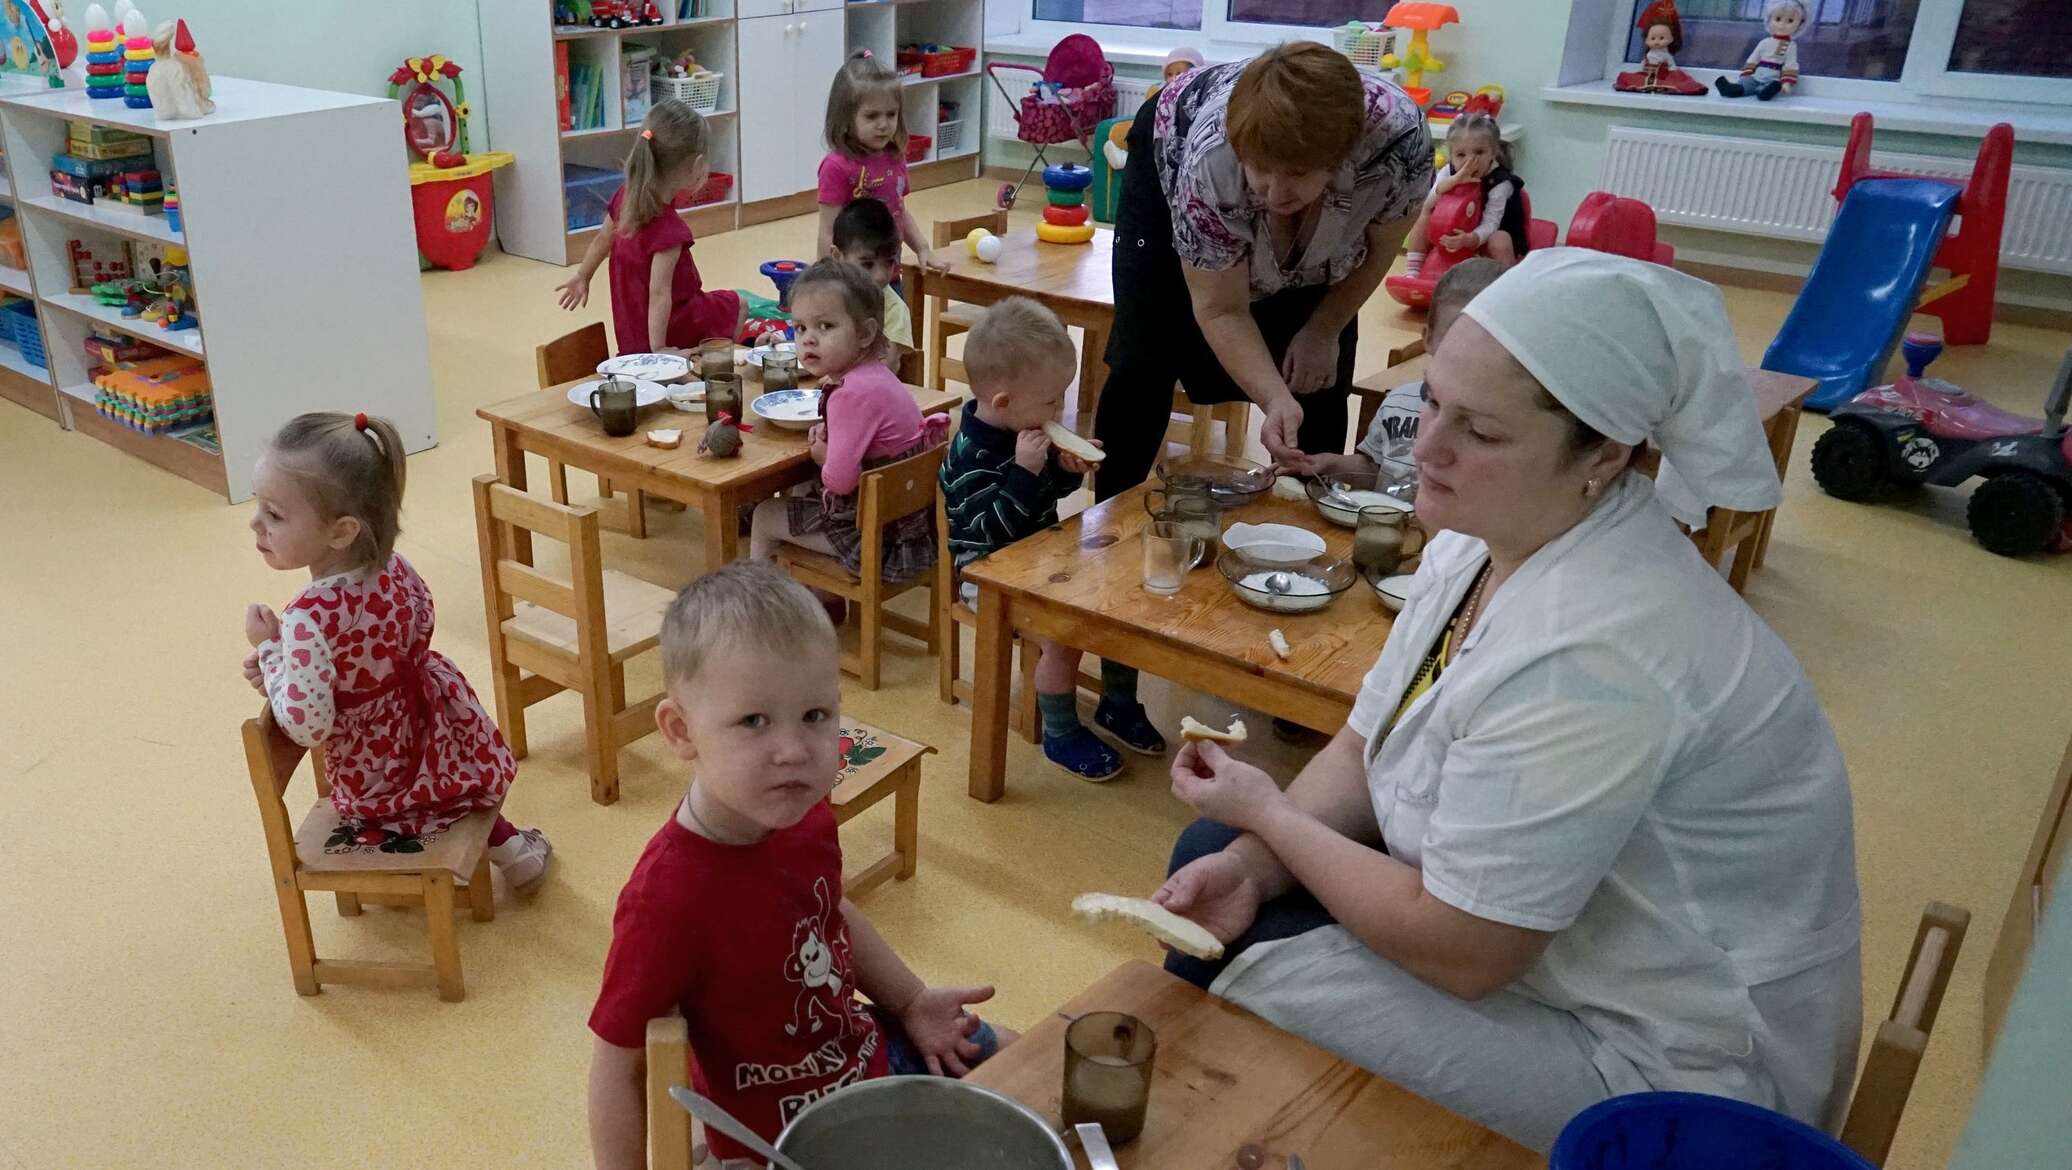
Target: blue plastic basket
pixel 1693 1131
pixel 21 325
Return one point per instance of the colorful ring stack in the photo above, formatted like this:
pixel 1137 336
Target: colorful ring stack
pixel 137 58
pixel 1065 218
pixel 172 211
pixel 103 64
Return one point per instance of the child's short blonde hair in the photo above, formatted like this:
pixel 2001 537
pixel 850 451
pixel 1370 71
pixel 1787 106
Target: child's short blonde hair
pixel 1014 336
pixel 745 603
pixel 1459 285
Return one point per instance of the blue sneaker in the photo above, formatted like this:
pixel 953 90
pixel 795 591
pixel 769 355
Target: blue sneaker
pixel 1128 723
pixel 1083 754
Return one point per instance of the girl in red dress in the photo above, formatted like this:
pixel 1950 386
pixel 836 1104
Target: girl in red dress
pixel 348 665
pixel 658 299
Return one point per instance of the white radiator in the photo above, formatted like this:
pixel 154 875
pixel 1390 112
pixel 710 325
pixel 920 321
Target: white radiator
pixel 1786 190
pixel 1129 94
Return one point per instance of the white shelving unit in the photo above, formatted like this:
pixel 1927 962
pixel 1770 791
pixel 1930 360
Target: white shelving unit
pixel 518 47
pixel 883 25
pixel 306 286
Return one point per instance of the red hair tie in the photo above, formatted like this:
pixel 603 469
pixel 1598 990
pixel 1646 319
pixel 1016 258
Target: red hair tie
pixel 360 421
pixel 648 134
pixel 866 53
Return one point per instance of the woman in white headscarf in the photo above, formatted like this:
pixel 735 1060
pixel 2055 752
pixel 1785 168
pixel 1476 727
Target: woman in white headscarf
pixel 1587 831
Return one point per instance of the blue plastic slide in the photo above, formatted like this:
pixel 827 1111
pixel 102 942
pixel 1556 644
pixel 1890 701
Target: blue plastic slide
pixel 1863 287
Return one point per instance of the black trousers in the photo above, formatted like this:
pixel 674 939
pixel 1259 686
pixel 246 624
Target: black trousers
pixel 1156 340
pixel 1293 913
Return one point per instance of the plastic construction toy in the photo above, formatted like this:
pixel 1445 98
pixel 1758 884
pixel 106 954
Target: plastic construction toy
pixel 1066 214
pixel 1922 430
pixel 1421 19
pixel 623 13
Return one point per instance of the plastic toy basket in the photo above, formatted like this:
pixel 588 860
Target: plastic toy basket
pixel 715 190
pixel 948 61
pixel 1365 45
pixel 919 147
pixel 1693 1131
pixel 701 93
pixel 949 137
pixel 22 330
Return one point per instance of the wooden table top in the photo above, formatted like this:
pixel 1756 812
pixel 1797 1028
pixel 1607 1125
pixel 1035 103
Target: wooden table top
pixel 1224 1080
pixel 1078 273
pixel 1774 392
pixel 1093 565
pixel 549 421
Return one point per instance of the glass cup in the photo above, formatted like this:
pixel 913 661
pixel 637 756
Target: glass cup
pixel 1385 537
pixel 617 405
pixel 1193 506
pixel 723 395
pixel 1108 1073
pixel 715 358
pixel 1170 550
pixel 780 371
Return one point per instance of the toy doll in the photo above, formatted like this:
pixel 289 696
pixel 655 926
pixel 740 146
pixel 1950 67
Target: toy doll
pixel 1662 34
pixel 1773 67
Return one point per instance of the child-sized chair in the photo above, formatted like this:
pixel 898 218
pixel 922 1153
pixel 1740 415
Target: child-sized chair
pixel 889 493
pixel 946 320
pixel 671 1137
pixel 953 611
pixel 548 635
pixel 1895 1056
pixel 318 856
pixel 565 359
pixel 877 764
pixel 1072 93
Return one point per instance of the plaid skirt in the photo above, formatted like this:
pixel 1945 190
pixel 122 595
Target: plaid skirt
pixel 909 541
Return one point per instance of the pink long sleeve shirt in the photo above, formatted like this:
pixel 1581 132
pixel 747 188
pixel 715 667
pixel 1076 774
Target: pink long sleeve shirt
pixel 870 417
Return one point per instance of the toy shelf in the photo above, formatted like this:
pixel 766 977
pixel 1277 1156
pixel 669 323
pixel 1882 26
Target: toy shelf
pixel 16 281
pixel 882 26
pixel 271 275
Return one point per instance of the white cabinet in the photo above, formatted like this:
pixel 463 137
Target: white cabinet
pixel 784 60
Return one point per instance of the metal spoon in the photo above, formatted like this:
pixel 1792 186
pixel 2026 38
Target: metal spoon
pixel 1279 583
pixel 710 1113
pixel 1094 1140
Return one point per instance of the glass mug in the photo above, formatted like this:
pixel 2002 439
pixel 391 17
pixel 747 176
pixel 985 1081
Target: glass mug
pixel 715 358
pixel 1192 505
pixel 723 395
pixel 1170 550
pixel 617 405
pixel 1108 1073
pixel 780 371
pixel 1385 537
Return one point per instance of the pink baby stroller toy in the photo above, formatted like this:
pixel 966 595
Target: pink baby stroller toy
pixel 1073 92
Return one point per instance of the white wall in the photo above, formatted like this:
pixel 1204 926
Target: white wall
pixel 2019 1118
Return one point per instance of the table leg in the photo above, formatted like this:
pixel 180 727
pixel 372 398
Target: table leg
pixel 509 448
pixel 722 538
pixel 992 672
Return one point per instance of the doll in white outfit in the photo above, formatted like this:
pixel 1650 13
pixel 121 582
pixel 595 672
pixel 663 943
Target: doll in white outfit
pixel 1773 67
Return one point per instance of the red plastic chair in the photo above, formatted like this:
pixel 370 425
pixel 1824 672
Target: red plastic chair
pixel 1070 96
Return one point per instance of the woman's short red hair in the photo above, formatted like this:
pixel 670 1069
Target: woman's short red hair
pixel 1297 107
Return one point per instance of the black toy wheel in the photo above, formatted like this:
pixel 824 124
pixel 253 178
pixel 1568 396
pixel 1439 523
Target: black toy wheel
pixel 2015 514
pixel 1849 464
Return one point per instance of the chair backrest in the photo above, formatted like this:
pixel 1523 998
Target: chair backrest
pixel 953 231
pixel 668 1066
pixel 572 356
pixel 271 758
pixel 500 508
pixel 891 492
pixel 945 565
pixel 1888 1073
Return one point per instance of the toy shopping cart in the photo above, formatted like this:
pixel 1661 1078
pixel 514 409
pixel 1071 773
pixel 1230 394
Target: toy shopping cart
pixel 1073 92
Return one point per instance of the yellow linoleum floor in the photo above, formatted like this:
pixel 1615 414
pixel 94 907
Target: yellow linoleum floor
pixel 146 1014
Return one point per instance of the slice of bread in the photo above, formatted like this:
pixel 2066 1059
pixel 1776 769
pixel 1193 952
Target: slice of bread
pixel 1182 934
pixel 1192 729
pixel 1065 440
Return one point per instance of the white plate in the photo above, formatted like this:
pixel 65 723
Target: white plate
pixel 656 367
pixel 1342 505
pixel 688 397
pixel 649 393
pixel 1393 591
pixel 794 410
pixel 1278 544
pixel 754 357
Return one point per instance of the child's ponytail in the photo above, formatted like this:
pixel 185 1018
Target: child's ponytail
pixel 673 134
pixel 353 465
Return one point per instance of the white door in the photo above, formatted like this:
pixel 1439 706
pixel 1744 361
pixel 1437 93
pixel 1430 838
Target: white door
pixel 770 137
pixel 821 47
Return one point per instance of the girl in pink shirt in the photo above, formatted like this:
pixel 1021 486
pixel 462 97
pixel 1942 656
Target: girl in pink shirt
pixel 868 420
pixel 867 137
pixel 658 300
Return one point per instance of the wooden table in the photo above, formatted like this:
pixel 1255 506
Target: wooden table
pixel 1224 1080
pixel 1075 281
pixel 544 422
pixel 1082 584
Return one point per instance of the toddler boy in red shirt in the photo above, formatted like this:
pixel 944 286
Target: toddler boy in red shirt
pixel 734 914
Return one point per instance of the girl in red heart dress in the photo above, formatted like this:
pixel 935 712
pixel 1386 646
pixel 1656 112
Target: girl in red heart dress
pixel 348 665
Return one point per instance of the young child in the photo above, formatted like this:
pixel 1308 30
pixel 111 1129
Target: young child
pixel 1385 449
pixel 348 665
pixel 865 236
pixel 1002 481
pixel 658 300
pixel 869 420
pixel 866 156
pixel 734 913
pixel 1475 153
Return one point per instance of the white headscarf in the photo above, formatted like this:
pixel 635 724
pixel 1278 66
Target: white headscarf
pixel 1639 351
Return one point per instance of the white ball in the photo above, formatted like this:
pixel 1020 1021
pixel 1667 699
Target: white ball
pixel 989 249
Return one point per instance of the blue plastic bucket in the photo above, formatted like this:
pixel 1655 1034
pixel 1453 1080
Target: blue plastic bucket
pixel 1693 1131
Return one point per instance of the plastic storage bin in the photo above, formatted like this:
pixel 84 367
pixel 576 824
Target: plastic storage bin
pixel 1364 44
pixel 701 93
pixel 20 317
pixel 589 192
pixel 919 148
pixel 949 137
pixel 715 190
pixel 1693 1131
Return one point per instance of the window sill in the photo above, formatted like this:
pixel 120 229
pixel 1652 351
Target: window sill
pixel 1962 119
pixel 1130 46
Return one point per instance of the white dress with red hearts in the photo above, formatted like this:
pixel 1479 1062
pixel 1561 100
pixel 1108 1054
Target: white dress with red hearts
pixel 407 746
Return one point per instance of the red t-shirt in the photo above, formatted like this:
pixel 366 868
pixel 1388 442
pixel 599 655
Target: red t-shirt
pixel 749 942
pixel 694 314
pixel 881 176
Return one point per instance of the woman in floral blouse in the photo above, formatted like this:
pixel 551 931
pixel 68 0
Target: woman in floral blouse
pixel 1278 192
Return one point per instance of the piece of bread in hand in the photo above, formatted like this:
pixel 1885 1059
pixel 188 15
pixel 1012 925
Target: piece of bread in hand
pixel 1182 934
pixel 1193 730
pixel 1065 440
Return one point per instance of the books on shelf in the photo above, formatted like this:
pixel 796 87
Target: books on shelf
pixel 561 85
pixel 586 95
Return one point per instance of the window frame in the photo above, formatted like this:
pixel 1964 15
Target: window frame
pixel 1217 32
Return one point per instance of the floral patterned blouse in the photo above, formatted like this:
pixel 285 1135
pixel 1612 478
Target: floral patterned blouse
pixel 1218 223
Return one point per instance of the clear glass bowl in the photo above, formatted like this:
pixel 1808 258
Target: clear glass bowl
pixel 1311 585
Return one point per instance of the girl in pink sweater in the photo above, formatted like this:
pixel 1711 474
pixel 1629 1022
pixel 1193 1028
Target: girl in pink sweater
pixel 868 420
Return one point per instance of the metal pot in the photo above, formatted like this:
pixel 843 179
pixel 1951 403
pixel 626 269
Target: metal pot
pixel 921 1123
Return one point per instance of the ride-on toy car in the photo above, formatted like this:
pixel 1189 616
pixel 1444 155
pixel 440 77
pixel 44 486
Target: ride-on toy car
pixel 1921 430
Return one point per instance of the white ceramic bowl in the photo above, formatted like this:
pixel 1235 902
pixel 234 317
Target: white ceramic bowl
pixel 1393 591
pixel 688 397
pixel 1340 498
pixel 1280 544
pixel 793 410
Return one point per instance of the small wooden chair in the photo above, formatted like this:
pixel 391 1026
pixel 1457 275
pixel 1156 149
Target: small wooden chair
pixel 878 764
pixel 1746 535
pixel 886 494
pixel 569 635
pixel 671 1134
pixel 946 320
pixel 951 611
pixel 565 359
pixel 1202 419
pixel 1888 1073
pixel 303 861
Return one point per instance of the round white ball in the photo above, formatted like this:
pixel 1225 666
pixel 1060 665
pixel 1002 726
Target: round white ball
pixel 989 249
